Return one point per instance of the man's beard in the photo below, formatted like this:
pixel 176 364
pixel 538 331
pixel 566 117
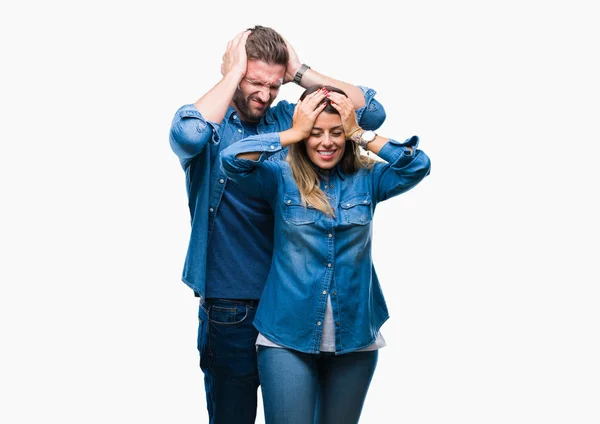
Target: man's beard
pixel 244 109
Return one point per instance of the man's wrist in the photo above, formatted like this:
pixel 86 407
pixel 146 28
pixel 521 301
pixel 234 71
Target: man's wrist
pixel 300 72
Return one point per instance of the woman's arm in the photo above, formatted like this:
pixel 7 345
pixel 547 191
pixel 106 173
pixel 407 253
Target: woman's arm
pixel 406 165
pixel 303 120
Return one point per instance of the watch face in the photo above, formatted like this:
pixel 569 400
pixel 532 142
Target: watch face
pixel 368 136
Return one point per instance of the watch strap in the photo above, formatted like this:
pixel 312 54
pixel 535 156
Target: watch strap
pixel 300 73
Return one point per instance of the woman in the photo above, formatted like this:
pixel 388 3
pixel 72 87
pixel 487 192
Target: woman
pixel 322 307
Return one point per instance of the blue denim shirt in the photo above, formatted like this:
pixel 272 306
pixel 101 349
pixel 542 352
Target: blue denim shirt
pixel 197 142
pixel 316 255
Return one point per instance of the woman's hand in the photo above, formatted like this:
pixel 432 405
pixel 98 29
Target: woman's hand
pixel 306 113
pixel 346 109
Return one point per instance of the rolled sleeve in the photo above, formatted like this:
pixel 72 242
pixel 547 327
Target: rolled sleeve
pixel 265 144
pixel 372 115
pixel 190 132
pixel 404 169
pixel 399 153
pixel 254 176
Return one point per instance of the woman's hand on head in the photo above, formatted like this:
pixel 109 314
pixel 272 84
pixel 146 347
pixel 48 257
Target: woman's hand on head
pixel 346 109
pixel 306 112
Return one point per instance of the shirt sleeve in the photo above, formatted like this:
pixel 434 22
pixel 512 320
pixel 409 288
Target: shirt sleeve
pixel 404 169
pixel 256 177
pixel 372 115
pixel 190 133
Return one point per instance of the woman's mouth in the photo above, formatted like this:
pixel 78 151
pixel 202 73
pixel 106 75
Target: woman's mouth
pixel 326 154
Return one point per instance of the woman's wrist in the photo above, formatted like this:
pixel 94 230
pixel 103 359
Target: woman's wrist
pixel 352 132
pixel 290 136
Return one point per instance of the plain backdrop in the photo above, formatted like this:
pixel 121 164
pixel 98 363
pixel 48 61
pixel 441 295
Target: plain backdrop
pixel 489 266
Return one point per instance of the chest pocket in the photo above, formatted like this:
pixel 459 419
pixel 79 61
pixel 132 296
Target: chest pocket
pixel 295 213
pixel 356 209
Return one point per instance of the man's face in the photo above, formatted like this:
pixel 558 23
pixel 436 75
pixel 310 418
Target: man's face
pixel 257 90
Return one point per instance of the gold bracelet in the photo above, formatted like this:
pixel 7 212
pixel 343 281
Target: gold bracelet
pixel 352 132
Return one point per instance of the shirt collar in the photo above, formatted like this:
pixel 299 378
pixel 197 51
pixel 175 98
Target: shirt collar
pixel 337 170
pixel 267 117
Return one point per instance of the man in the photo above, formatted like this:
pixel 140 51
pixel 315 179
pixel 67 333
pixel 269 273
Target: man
pixel 231 240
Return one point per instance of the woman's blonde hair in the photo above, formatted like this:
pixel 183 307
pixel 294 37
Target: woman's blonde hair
pixel 305 172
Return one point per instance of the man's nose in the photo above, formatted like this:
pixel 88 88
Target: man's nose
pixel 264 94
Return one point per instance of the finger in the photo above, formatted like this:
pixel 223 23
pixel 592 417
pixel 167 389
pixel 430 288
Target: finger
pixel 316 111
pixel 337 97
pixel 237 38
pixel 244 37
pixel 316 97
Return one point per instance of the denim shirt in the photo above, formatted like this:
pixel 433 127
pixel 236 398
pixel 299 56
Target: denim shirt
pixel 198 142
pixel 316 255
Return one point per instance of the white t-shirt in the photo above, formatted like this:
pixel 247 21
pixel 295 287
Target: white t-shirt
pixel 328 335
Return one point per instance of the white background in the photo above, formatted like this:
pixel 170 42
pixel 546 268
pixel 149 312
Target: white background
pixel 489 266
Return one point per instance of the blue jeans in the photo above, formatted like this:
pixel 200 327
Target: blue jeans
pixel 300 388
pixel 226 342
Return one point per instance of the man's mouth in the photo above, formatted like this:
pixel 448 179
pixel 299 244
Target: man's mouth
pixel 258 102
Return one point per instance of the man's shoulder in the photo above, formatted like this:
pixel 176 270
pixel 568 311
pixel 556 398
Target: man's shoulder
pixel 283 110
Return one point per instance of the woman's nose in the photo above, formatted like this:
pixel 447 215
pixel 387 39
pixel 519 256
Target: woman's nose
pixel 327 142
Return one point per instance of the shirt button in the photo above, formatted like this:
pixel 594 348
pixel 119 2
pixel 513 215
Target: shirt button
pixel 337 323
pixel 333 293
pixel 221 180
pixel 329 235
pixel 332 186
pixel 239 130
pixel 329 265
pixel 348 204
pixel 234 116
pixel 288 201
pixel 318 322
pixel 324 291
pixel 325 187
pixel 211 210
pixel 272 147
pixel 365 201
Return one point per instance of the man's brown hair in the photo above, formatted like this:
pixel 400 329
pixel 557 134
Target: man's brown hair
pixel 268 45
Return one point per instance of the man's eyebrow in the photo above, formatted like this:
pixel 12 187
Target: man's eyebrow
pixel 279 81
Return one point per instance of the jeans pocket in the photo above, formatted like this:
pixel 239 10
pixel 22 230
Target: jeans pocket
pixel 228 315
pixel 202 335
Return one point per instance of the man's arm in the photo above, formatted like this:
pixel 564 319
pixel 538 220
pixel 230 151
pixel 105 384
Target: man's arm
pixel 213 105
pixel 312 77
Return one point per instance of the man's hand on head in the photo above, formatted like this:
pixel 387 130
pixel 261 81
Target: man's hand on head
pixel 235 58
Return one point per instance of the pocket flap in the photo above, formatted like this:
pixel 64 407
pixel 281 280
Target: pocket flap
pixel 357 199
pixel 292 200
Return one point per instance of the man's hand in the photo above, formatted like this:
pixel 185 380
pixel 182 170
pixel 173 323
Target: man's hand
pixel 235 59
pixel 293 64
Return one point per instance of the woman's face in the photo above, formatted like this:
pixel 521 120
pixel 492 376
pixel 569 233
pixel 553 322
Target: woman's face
pixel 326 143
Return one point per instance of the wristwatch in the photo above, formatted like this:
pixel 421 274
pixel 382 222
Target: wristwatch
pixel 300 73
pixel 366 137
